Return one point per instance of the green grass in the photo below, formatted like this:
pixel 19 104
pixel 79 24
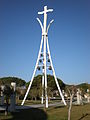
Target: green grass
pixel 81 112
pixel 61 113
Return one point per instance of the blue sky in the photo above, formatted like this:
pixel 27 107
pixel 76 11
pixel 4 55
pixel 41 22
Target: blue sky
pixel 69 38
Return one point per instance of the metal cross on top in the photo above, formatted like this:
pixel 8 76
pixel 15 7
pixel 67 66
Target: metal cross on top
pixel 44 61
pixel 45 17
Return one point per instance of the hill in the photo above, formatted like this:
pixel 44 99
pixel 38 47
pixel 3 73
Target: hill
pixel 37 82
pixel 51 82
pixel 8 80
pixel 84 86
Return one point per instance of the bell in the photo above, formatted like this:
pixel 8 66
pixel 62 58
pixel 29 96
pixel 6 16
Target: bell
pixel 50 68
pixel 41 55
pixel 38 68
pixel 42 67
pixel 48 60
pixel 40 60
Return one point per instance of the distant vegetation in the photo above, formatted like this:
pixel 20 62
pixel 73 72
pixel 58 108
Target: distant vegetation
pixel 38 81
pixel 36 88
pixel 84 87
pixel 8 80
pixel 51 82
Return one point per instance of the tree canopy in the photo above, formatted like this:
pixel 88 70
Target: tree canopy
pixel 84 86
pixel 36 88
pixel 51 82
pixel 7 80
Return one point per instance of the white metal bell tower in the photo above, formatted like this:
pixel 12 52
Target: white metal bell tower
pixel 44 57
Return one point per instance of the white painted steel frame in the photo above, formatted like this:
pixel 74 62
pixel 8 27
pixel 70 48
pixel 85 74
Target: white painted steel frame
pixel 33 72
pixel 42 98
pixel 44 43
pixel 55 74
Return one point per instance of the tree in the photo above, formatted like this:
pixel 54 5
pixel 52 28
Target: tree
pixel 36 88
pixel 71 90
pixel 20 93
pixel 7 80
pixel 7 93
pixel 84 87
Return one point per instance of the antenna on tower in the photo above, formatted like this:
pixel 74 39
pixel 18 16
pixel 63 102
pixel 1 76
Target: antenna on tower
pixel 43 54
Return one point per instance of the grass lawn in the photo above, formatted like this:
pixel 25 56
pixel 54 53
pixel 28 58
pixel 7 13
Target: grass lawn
pixel 52 113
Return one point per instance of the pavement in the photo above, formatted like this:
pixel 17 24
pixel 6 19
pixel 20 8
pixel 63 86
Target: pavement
pixel 38 105
pixel 2 108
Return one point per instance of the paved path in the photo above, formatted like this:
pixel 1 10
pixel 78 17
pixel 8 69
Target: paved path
pixel 2 108
pixel 33 106
pixel 38 105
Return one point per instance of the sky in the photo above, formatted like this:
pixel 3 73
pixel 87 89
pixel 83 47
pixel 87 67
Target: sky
pixel 69 38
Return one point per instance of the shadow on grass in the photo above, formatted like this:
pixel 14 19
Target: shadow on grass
pixel 59 107
pixel 30 114
pixel 55 108
pixel 83 116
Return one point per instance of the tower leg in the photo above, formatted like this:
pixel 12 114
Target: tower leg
pixel 45 74
pixel 33 72
pixel 55 75
pixel 42 98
